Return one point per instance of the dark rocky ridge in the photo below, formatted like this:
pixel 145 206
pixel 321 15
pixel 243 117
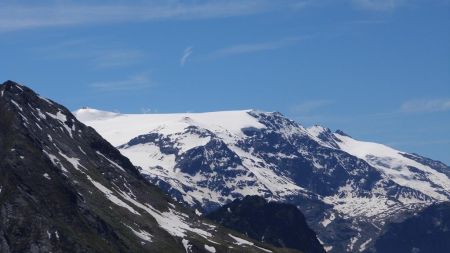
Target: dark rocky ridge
pixel 279 224
pixel 425 232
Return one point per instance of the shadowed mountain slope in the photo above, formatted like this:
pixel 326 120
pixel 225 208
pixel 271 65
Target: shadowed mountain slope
pixel 282 225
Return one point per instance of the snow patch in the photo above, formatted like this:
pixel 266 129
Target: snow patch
pixel 240 241
pixel 187 246
pixel 172 221
pixel 62 118
pixel 327 248
pixel 75 162
pixel 56 162
pixel 326 221
pixel 210 248
pixel 110 161
pixel 110 195
pixel 144 235
pixel 364 245
pixel 46 100
pixel 17 105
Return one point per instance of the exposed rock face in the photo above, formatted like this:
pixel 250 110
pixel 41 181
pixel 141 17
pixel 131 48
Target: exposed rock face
pixel 63 188
pixel 425 232
pixel 282 225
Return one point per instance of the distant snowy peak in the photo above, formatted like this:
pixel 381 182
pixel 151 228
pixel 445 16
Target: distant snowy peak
pixel 128 126
pixel 324 136
pixel 341 184
pixel 189 130
pixel 88 114
pixel 405 169
pixel 145 137
pixel 169 146
pixel 399 166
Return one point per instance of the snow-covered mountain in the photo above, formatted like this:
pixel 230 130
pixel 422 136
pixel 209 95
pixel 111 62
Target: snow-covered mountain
pixel 63 188
pixel 348 189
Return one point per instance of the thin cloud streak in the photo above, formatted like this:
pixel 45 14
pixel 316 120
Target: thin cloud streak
pixel 17 17
pixel 425 106
pixel 136 82
pixel 117 58
pixel 379 5
pixel 99 57
pixel 186 54
pixel 14 16
pixel 310 106
pixel 253 47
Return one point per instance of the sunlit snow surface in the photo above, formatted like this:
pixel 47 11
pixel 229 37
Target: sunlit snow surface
pixel 396 166
pixel 119 129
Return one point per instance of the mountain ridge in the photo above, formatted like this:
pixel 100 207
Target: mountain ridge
pixel 228 155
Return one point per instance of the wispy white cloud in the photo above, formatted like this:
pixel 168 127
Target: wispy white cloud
pixel 38 14
pixel 92 51
pixel 186 54
pixel 15 16
pixel 135 82
pixel 426 105
pixel 116 58
pixel 308 107
pixel 379 5
pixel 253 47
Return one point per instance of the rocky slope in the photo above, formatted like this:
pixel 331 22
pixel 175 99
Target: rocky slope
pixel 279 224
pixel 63 188
pixel 426 232
pixel 347 189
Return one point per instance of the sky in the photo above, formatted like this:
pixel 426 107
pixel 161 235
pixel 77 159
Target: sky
pixel 377 69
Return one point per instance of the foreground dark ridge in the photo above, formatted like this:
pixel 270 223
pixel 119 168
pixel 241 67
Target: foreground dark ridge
pixel 425 232
pixel 63 188
pixel 279 224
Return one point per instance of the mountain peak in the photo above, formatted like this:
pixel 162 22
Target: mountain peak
pixel 89 114
pixel 21 96
pixel 12 87
pixel 9 83
pixel 316 130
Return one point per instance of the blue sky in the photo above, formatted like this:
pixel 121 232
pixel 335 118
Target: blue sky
pixel 379 70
